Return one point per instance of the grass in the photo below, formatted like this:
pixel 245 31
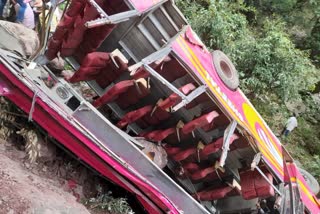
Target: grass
pixel 105 202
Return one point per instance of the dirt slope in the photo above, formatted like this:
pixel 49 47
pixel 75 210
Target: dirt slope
pixel 22 191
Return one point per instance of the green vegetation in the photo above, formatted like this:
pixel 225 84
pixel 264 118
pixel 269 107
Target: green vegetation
pixel 107 204
pixel 275 46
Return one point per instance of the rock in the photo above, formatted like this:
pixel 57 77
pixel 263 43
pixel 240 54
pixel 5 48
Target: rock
pixel 18 38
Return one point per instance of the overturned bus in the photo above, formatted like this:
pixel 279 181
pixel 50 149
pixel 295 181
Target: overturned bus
pixel 167 121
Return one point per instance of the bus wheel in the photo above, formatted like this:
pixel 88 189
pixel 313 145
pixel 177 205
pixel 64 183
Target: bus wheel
pixel 311 181
pixel 226 70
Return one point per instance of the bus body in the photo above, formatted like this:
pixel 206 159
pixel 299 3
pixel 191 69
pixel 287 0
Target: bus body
pixel 157 85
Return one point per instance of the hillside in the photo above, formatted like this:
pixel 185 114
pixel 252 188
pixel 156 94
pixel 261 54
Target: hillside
pixel 275 47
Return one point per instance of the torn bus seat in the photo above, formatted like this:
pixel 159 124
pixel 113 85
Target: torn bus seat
pixel 55 42
pixel 53 48
pixel 73 38
pixel 198 174
pixel 124 93
pixel 253 185
pixel 64 26
pixel 220 121
pixel 202 173
pixel 212 147
pixel 203 154
pixel 100 67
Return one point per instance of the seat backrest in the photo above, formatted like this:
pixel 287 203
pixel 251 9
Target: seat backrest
pixel 254 185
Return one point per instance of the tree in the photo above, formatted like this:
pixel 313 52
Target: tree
pixel 265 57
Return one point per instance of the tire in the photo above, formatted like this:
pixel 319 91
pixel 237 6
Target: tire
pixel 226 70
pixel 311 181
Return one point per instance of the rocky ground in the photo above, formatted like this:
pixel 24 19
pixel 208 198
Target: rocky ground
pixel 58 186
pixel 25 190
pixel 38 177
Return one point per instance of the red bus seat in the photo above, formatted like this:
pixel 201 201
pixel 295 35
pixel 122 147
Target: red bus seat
pixel 191 167
pixel 134 94
pixel 144 116
pixel 211 148
pixel 76 32
pixel 214 194
pixel 170 69
pixel 111 72
pixel 113 93
pixel 198 100
pixel 253 185
pixel 174 99
pixel 172 135
pixel 98 66
pixel 124 93
pixel 208 173
pixel 74 37
pixel 200 122
pixel 171 151
pixel 154 118
pixel 214 147
pixel 134 116
pixel 159 135
pixel 93 39
pixel 185 130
